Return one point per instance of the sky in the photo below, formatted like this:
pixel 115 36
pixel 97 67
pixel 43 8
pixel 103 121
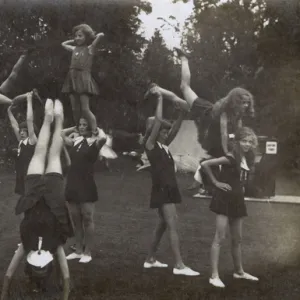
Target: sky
pixel 165 8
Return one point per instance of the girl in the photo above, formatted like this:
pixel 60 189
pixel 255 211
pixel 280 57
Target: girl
pixel 215 122
pixel 25 134
pixel 79 83
pixel 165 193
pixel 46 224
pixel 81 190
pixel 228 200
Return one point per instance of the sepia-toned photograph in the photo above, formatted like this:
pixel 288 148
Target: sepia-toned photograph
pixel 149 149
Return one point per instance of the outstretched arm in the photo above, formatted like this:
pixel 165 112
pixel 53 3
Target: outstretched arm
pixel 67 45
pixel 11 270
pixel 175 128
pixel 13 122
pixel 65 135
pixel 157 124
pixel 94 44
pixel 64 271
pixel 29 120
pixel 207 164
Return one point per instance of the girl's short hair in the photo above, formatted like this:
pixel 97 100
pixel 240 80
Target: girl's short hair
pixel 235 148
pixel 87 31
pixel 232 103
pixel 23 125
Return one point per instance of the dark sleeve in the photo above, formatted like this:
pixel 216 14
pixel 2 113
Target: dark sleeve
pixel 232 160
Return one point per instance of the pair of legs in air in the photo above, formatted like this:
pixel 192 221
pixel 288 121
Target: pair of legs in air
pixel 37 167
pixel 81 108
pixel 168 221
pixel 235 226
pixel 9 85
pixel 83 219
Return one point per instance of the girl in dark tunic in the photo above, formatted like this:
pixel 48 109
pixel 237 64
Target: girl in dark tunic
pixel 81 191
pixel 79 83
pixel 26 137
pixel 46 224
pixel 165 193
pixel 228 200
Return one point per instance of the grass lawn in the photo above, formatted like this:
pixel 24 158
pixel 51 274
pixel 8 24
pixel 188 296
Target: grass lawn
pixel 124 226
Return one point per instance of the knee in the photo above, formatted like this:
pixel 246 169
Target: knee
pixel 236 241
pixel 184 85
pixel 219 239
pixel 171 223
pixel 87 219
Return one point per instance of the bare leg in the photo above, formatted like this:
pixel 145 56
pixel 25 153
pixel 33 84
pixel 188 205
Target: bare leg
pixel 170 216
pixel 221 225
pixel 5 100
pixel 37 163
pixel 189 95
pixel 174 98
pixel 75 103
pixel 87 113
pixel 11 270
pixel 9 84
pixel 87 210
pixel 54 162
pixel 159 232
pixel 236 239
pixel 65 272
pixel 78 225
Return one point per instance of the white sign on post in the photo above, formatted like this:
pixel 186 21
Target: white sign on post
pixel 271 147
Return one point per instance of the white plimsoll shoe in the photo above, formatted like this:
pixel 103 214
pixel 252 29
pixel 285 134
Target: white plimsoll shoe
pixel 185 271
pixel 155 264
pixel 217 282
pixel 245 276
pixel 74 255
pixel 85 259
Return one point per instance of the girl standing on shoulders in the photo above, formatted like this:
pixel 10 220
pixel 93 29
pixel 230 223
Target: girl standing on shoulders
pixel 165 193
pixel 79 83
pixel 228 200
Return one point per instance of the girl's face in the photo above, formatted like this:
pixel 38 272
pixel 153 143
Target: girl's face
pixel 246 144
pixel 163 135
pixel 79 38
pixel 83 127
pixel 23 133
pixel 245 103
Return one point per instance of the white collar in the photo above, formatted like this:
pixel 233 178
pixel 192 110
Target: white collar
pixel 244 164
pixel 89 140
pixel 25 142
pixel 163 146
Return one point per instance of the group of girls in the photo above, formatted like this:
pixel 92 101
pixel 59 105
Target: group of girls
pixel 53 211
pixel 233 158
pixel 48 221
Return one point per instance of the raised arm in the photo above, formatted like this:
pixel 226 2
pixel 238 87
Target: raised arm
pixel 175 128
pixel 65 135
pixel 207 164
pixel 100 138
pixel 29 119
pixel 13 122
pixel 67 156
pixel 67 45
pixel 157 124
pixel 94 44
pixel 224 132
